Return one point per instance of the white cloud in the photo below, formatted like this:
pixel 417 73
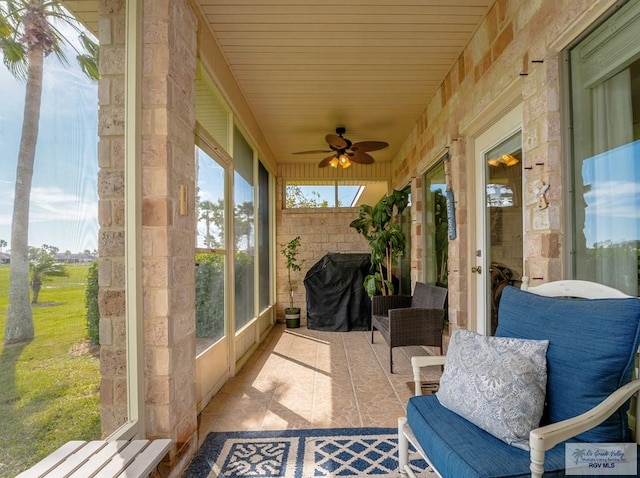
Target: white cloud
pixel 48 203
pixel 614 199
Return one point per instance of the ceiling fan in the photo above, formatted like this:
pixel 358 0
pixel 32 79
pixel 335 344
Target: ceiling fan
pixel 344 152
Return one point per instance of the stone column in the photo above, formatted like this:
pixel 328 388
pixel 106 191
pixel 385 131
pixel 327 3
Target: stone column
pixel 168 236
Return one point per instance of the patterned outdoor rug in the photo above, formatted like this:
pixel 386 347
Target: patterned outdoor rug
pixel 332 452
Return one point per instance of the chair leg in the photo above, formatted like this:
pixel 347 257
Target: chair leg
pixel 403 446
pixel 371 333
pixel 390 359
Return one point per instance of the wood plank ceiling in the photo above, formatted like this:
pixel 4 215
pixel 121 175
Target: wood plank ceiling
pixel 308 66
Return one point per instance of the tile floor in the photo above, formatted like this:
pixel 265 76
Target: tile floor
pixel 301 378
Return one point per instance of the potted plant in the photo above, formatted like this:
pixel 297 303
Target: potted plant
pixel 290 252
pixel 381 228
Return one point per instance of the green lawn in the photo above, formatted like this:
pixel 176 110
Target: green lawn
pixel 49 388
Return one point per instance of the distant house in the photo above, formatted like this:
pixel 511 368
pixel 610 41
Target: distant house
pixel 78 258
pixel 5 258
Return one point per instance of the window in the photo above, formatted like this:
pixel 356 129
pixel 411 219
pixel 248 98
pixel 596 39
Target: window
pixel 605 107
pixel 332 193
pixel 436 227
pixel 212 113
pixel 210 251
pixel 404 264
pixel 50 374
pixel 244 230
pixel 264 238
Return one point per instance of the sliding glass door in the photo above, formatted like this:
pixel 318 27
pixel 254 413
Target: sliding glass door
pixel 605 94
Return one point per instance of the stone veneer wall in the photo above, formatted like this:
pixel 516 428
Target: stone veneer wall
pixel 168 119
pixel 321 231
pixel 518 45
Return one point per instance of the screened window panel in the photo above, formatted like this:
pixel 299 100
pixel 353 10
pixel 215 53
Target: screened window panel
pixel 332 193
pixel 264 238
pixel 244 231
pixel 210 214
pixel 211 112
pixel 210 256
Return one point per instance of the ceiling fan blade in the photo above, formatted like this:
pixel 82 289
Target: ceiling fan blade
pixel 364 146
pixel 313 151
pixel 360 157
pixel 336 142
pixel 325 162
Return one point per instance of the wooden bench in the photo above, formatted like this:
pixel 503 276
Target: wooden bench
pixel 101 459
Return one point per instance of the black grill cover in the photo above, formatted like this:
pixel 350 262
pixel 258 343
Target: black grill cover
pixel 336 298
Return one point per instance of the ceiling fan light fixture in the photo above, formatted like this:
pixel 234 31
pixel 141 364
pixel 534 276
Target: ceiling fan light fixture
pixel 509 160
pixel 344 152
pixel 504 159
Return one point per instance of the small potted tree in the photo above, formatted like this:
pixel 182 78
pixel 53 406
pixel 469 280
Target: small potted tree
pixel 290 252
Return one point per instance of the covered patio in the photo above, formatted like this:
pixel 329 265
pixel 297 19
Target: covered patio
pixel 233 105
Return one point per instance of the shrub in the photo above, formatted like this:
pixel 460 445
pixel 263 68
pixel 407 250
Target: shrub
pixel 209 296
pixel 91 304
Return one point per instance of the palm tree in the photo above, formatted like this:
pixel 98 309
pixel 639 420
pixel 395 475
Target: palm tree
pixel 206 214
pixel 28 34
pixel 3 244
pixel 42 266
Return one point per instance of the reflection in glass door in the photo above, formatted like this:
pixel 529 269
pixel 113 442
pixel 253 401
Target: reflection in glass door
pixel 504 215
pixel 498 242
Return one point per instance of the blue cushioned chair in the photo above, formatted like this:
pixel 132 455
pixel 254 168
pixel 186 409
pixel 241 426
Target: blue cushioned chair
pixel 590 362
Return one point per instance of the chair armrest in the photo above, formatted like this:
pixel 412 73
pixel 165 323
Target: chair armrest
pixel 421 361
pixel 545 438
pixel 381 304
pixel 419 312
pixel 416 326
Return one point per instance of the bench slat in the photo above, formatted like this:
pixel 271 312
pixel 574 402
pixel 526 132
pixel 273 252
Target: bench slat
pixel 73 462
pixel 98 460
pixel 101 459
pixel 53 460
pixel 123 459
pixel 146 461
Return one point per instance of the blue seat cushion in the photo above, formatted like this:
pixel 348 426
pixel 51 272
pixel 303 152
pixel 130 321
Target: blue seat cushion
pixel 458 448
pixel 592 345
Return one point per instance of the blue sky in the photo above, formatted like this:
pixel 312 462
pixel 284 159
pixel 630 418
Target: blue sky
pixel 64 199
pixel 613 199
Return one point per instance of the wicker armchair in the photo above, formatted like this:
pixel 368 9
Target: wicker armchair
pixel 404 320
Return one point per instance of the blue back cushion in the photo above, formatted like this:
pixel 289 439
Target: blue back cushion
pixel 592 345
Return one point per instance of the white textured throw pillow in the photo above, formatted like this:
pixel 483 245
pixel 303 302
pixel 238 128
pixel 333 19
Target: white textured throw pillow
pixel 497 383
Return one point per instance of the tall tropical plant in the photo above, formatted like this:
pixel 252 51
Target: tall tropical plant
pixel 29 32
pixel 380 226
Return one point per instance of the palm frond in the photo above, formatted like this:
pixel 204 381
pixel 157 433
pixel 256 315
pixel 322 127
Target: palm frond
pixel 14 40
pixel 14 57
